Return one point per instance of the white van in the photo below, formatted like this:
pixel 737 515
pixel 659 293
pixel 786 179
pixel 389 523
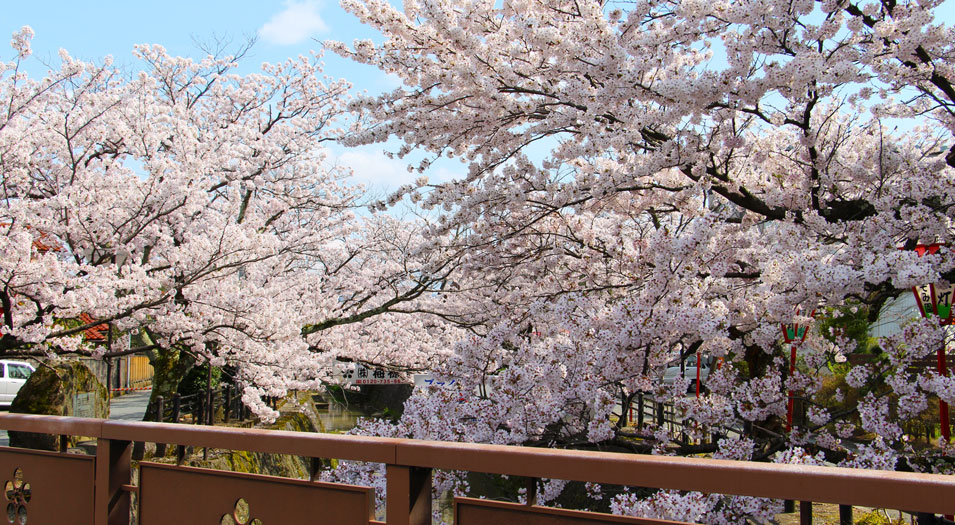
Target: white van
pixel 13 374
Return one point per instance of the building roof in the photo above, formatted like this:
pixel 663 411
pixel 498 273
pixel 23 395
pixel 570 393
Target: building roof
pixel 96 333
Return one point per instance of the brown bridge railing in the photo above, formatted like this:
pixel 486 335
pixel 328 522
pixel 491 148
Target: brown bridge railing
pixel 51 487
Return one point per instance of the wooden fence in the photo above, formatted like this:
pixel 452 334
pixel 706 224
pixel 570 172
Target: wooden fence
pixel 131 373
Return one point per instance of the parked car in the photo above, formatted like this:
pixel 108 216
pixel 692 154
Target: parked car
pixel 689 372
pixel 13 374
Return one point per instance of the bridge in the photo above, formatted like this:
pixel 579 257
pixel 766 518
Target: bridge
pixel 100 489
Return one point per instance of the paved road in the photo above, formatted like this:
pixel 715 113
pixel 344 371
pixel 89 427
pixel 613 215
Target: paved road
pixel 130 407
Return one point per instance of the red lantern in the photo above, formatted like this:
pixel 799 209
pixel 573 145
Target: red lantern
pixel 793 334
pixel 936 299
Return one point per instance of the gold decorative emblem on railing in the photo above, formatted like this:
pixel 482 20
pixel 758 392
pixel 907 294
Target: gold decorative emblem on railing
pixel 18 494
pixel 240 516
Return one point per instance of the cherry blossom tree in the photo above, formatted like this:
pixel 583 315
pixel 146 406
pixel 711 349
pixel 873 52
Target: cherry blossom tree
pixel 652 181
pixel 193 211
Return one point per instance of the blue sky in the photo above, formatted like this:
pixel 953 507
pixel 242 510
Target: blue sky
pixel 283 28
pixel 91 30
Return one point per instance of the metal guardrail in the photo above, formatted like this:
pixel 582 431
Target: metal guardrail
pixel 409 464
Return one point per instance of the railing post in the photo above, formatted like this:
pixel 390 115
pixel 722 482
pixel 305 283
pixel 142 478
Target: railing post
pixel 315 469
pixel 160 412
pixel 205 416
pixel 927 518
pixel 139 450
pixel 211 416
pixel 176 406
pixel 640 410
pixel 109 373
pixel 532 491
pixel 111 497
pixel 409 495
pixel 227 404
pixel 210 406
pixel 160 408
pixel 845 514
pixel 805 513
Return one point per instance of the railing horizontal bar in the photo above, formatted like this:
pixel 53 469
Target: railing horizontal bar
pixel 882 489
pixel 74 426
pixel 360 448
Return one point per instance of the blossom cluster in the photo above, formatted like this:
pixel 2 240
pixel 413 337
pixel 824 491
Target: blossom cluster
pixel 632 204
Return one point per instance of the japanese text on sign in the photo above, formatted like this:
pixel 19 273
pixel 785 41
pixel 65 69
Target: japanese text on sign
pixel 361 375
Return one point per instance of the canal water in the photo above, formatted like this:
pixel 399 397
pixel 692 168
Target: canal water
pixel 336 418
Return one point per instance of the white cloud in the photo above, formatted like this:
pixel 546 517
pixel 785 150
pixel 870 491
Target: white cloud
pixel 382 175
pixel 374 169
pixel 390 81
pixel 296 23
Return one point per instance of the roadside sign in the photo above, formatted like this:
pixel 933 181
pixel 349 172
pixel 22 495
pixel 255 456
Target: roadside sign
pixel 423 380
pixel 362 375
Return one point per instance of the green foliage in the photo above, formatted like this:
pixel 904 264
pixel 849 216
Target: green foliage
pixel 336 393
pixel 826 395
pixel 875 517
pixel 851 321
pixel 742 367
pixel 196 379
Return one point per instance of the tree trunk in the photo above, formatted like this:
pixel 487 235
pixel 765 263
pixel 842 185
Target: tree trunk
pixel 169 367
